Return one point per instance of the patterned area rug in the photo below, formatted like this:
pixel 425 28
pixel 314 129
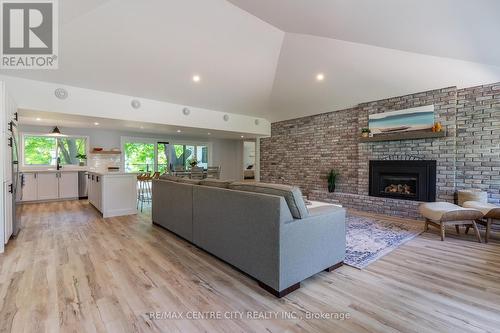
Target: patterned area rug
pixel 368 239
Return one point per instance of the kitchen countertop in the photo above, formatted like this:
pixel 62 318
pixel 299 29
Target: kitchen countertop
pixel 52 170
pixel 112 173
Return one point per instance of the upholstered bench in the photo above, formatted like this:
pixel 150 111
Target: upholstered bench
pixel 441 214
pixel 491 212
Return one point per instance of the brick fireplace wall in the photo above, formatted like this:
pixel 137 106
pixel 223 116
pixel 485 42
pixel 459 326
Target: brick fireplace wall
pixel 301 151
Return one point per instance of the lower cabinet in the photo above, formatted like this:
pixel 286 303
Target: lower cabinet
pixel 47 186
pixel 39 186
pixel 68 185
pixel 29 187
pixel 95 191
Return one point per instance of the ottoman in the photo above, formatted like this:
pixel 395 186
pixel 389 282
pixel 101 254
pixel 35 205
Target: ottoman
pixel 491 213
pixel 441 214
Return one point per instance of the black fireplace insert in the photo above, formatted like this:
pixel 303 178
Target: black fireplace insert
pixel 407 180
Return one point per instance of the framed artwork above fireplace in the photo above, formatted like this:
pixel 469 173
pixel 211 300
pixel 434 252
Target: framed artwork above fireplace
pixel 414 119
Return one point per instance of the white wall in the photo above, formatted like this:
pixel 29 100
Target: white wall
pixel 39 96
pixel 226 153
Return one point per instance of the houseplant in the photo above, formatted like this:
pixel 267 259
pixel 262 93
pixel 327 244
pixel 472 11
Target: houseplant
pixel 193 163
pixel 81 158
pixel 332 179
pixel 365 132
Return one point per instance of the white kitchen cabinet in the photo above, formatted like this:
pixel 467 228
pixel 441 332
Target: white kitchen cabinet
pixel 52 185
pixel 113 194
pixel 68 185
pixel 8 211
pixel 95 193
pixel 29 189
pixel 47 188
pixel 91 189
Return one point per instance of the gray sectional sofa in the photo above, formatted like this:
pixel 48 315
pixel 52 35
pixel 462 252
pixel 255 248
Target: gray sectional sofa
pixel 264 230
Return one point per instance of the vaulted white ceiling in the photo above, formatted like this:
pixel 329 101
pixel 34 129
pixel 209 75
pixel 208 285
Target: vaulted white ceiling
pixel 261 57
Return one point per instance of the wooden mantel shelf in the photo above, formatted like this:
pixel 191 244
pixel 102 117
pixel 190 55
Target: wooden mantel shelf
pixel 412 135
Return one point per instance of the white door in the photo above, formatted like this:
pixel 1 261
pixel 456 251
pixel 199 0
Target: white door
pixel 29 187
pixel 7 211
pixel 48 188
pixel 68 185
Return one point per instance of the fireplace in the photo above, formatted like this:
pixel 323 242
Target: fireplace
pixel 407 180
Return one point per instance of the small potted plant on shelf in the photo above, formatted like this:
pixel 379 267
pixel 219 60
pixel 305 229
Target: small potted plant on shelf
pixel 193 163
pixel 82 158
pixel 332 179
pixel 365 132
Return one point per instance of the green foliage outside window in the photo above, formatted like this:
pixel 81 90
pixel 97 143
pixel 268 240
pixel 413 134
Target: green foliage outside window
pixel 43 150
pixel 39 150
pixel 139 157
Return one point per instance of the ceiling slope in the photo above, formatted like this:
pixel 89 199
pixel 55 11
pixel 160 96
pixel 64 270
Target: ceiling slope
pixel 152 49
pixel 356 73
pixel 460 29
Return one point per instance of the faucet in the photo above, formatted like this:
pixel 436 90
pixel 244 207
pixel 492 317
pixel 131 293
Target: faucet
pixel 58 166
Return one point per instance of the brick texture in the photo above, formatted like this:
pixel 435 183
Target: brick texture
pixel 301 151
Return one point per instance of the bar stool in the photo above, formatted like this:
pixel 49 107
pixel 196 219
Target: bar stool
pixel 144 191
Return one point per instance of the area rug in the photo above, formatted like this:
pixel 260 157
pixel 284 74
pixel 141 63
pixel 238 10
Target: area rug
pixel 368 239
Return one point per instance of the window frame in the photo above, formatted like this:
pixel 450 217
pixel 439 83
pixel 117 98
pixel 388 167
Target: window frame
pixel 171 143
pixel 54 161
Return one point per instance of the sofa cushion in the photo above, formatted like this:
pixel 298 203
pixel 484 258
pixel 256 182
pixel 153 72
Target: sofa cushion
pixel 292 195
pixel 216 183
pixel 188 181
pixel 170 177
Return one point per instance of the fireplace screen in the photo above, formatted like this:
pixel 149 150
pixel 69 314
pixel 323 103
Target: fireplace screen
pixel 394 185
pixel 407 180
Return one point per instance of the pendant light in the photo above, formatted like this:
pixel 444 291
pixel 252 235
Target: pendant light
pixel 56 132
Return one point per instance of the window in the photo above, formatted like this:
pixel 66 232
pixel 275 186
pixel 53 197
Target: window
pixel 39 150
pixel 149 155
pixel 162 159
pixel 43 150
pixel 202 156
pixel 139 157
pixel 70 148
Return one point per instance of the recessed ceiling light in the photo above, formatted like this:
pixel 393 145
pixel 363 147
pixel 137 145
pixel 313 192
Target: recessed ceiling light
pixel 320 77
pixel 196 78
pixel 97 124
pixel 209 133
pixel 242 136
pixel 135 103
pixel 178 131
pixel 38 119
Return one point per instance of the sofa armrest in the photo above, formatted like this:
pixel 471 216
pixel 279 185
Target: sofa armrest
pixel 311 245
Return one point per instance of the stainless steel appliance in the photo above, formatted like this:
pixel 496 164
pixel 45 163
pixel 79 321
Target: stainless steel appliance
pixel 82 184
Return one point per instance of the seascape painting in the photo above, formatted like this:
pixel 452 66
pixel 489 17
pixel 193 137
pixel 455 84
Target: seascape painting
pixel 414 119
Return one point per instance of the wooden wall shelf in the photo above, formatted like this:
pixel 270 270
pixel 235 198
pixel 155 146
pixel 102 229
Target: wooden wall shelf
pixel 412 135
pixel 106 152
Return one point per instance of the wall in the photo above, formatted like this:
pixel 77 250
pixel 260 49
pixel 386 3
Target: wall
pixel 301 151
pixel 226 153
pixel 39 96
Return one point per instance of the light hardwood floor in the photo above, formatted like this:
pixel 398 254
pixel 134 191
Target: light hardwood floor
pixel 72 271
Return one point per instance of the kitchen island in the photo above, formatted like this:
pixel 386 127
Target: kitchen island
pixel 113 193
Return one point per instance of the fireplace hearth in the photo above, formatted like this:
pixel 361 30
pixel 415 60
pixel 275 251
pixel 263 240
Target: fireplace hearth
pixel 407 179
